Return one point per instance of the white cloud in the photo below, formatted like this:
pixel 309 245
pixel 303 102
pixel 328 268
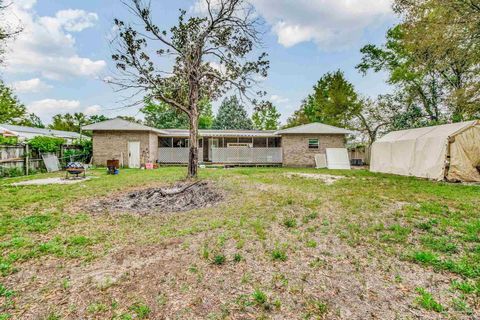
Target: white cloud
pixel 331 24
pixel 92 110
pixel 46 45
pixel 32 85
pixel 278 99
pixel 76 20
pixel 47 108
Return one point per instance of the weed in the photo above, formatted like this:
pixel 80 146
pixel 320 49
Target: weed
pixel 259 297
pixel 317 263
pixel 427 301
pixel 316 309
pixel 97 307
pixel 141 310
pixel 466 287
pixel 290 222
pixel 441 244
pixel 219 259
pixel 6 293
pixel 461 306
pixel 279 254
pixel 309 217
pixel 237 257
pixel 312 244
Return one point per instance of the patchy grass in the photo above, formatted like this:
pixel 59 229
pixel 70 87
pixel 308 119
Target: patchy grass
pixel 319 251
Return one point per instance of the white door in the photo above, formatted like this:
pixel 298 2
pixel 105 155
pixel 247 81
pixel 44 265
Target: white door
pixel 134 154
pixel 212 143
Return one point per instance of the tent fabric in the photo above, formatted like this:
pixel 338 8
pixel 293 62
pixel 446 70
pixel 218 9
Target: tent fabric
pixel 465 156
pixel 423 152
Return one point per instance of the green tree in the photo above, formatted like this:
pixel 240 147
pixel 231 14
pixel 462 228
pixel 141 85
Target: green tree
pixel 97 118
pixel 421 86
pixel 387 113
pixel 334 102
pixel 31 120
pixel 232 116
pixel 266 116
pixel 444 36
pixel 69 122
pixel 131 119
pixel 163 116
pixel 12 111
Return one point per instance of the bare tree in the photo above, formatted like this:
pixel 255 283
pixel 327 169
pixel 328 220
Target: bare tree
pixel 209 53
pixel 6 30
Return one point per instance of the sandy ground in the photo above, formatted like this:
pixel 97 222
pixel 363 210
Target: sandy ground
pixel 47 181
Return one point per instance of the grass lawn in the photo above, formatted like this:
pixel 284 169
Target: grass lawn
pixel 279 247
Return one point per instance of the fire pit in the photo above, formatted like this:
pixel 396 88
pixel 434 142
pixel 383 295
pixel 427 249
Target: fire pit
pixel 74 169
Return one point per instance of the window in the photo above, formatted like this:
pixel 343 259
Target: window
pixel 166 142
pixel 180 143
pixel 313 144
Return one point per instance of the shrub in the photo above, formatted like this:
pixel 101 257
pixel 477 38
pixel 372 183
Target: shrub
pixel 9 141
pixel 45 144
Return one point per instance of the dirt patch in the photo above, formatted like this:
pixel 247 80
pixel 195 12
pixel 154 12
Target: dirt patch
pixel 326 178
pixel 47 181
pixel 182 196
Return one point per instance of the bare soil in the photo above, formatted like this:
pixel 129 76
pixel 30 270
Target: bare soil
pixel 183 196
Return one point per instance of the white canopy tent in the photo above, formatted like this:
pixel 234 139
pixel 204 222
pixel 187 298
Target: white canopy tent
pixel 450 151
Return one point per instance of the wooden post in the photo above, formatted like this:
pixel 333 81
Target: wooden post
pixel 26 164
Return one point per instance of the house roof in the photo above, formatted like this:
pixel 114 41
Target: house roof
pixel 220 133
pixel 119 124
pixel 314 128
pixel 18 130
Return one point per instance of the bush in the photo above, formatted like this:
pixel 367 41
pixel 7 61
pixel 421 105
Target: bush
pixel 46 144
pixel 10 172
pixel 9 141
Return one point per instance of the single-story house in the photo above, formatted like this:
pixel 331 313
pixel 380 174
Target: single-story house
pixel 25 133
pixel 136 144
pixel 450 151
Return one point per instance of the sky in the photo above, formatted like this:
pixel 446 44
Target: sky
pixel 59 62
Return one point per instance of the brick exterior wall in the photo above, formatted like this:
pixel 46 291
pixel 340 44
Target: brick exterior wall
pixel 111 144
pixel 297 154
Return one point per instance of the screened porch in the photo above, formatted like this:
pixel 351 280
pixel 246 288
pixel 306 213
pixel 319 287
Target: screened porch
pixel 219 150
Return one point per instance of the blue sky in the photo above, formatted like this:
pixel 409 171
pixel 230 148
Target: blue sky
pixel 57 64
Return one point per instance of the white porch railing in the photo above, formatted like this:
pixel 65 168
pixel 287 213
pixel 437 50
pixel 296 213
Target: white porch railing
pixel 176 155
pixel 246 155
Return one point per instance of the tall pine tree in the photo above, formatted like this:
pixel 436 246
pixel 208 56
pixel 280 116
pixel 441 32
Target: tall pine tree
pixel 232 116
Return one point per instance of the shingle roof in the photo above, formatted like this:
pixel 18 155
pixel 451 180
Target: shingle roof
pixel 119 124
pixel 41 131
pixel 220 133
pixel 314 128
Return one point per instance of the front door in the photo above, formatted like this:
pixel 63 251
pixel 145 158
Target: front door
pixel 212 143
pixel 134 154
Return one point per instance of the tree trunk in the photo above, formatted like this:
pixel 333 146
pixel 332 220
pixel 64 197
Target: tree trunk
pixel 193 154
